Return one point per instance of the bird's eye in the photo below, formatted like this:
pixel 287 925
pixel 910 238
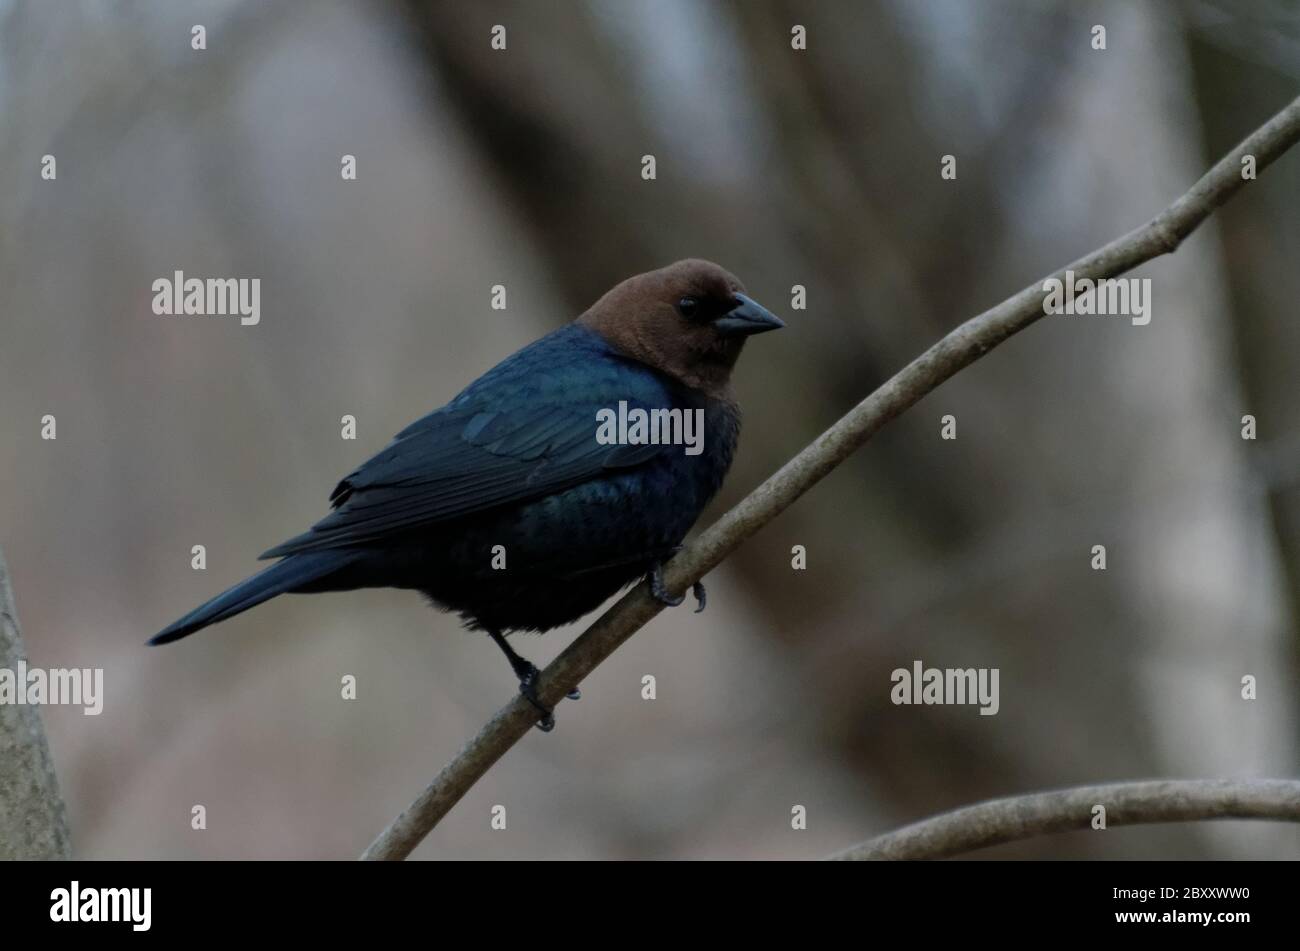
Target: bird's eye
pixel 688 306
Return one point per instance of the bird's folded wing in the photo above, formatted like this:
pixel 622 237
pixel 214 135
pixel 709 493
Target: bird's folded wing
pixel 466 458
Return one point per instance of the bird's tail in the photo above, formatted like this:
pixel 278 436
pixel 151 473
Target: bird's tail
pixel 287 575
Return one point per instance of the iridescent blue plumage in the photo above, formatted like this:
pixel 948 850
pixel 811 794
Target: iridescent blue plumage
pixel 504 505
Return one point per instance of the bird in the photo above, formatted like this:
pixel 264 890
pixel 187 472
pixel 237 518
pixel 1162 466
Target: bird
pixel 521 504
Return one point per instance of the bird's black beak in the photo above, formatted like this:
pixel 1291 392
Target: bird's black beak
pixel 748 317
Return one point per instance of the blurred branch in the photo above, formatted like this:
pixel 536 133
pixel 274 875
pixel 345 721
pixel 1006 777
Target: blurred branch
pixel 1023 817
pixel 960 348
pixel 33 822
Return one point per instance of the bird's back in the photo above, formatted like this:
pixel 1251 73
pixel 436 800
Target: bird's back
pixel 535 562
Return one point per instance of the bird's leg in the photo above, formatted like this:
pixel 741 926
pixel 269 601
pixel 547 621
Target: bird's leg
pixel 527 673
pixel 661 594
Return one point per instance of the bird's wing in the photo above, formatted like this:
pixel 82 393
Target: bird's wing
pixel 507 439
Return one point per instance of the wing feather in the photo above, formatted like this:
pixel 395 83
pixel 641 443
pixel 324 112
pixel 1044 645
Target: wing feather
pixel 475 454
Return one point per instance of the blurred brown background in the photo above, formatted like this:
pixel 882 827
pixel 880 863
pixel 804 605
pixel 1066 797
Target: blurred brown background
pixel 522 167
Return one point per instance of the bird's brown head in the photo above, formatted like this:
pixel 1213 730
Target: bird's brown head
pixel 688 320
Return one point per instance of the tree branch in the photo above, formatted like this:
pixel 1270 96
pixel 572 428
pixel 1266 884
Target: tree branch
pixel 1023 817
pixel 33 821
pixel 961 347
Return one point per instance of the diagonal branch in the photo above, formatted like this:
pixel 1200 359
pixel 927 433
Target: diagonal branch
pixel 958 349
pixel 1023 817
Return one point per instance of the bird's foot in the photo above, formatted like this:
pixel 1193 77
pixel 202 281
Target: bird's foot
pixel 528 687
pixel 701 596
pixel 528 673
pixel 660 593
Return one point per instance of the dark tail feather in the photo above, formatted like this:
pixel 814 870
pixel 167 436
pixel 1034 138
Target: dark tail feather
pixel 282 577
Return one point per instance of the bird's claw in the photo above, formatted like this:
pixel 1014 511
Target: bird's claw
pixel 528 687
pixel 660 593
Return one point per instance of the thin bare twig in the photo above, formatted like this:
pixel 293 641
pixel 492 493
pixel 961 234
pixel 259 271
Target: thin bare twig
pixel 1126 804
pixel 958 349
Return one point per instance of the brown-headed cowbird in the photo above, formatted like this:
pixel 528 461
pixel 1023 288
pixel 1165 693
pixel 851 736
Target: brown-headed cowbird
pixel 565 473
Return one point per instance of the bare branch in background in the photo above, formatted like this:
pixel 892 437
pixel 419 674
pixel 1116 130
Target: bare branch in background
pixel 33 821
pixel 1023 817
pixel 960 348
